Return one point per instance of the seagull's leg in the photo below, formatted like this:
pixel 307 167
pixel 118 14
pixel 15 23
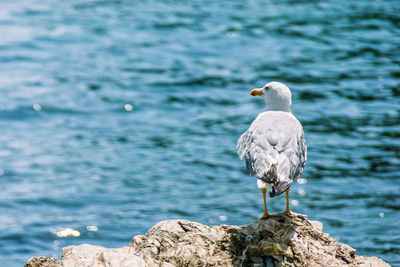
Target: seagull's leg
pixel 265 215
pixel 287 211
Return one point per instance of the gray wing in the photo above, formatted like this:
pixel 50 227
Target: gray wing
pixel 274 149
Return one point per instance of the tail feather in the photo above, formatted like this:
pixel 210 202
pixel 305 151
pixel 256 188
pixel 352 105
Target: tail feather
pixel 271 176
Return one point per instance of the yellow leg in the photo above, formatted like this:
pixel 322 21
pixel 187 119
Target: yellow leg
pixel 265 215
pixel 287 211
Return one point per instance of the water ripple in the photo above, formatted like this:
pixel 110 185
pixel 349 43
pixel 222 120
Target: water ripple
pixel 116 114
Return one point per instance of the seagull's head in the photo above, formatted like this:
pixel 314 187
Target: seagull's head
pixel 277 96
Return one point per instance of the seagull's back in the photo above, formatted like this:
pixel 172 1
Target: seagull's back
pixel 274 149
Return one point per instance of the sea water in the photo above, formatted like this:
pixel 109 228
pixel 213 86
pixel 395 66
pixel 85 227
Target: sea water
pixel 115 115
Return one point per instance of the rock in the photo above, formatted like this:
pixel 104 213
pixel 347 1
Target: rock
pixel 281 240
pixel 42 261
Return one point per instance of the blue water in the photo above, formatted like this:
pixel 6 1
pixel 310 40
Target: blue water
pixel 119 114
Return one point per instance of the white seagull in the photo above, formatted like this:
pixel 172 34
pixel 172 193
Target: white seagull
pixel 274 147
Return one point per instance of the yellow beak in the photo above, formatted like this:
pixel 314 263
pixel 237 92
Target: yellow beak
pixel 257 92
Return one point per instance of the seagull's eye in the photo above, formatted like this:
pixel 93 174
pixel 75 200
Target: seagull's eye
pixel 266 88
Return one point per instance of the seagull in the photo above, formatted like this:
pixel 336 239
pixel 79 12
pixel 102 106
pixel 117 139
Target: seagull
pixel 274 147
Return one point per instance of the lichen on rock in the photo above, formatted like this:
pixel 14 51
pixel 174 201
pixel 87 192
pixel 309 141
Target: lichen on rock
pixel 281 240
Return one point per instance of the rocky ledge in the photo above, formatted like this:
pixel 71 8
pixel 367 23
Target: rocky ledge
pixel 281 240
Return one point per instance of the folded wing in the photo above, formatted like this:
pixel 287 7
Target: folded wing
pixel 274 149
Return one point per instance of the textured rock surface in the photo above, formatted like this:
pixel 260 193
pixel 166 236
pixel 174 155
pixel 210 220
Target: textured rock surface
pixel 281 240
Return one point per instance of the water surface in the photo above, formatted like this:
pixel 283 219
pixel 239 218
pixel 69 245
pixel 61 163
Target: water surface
pixel 119 114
